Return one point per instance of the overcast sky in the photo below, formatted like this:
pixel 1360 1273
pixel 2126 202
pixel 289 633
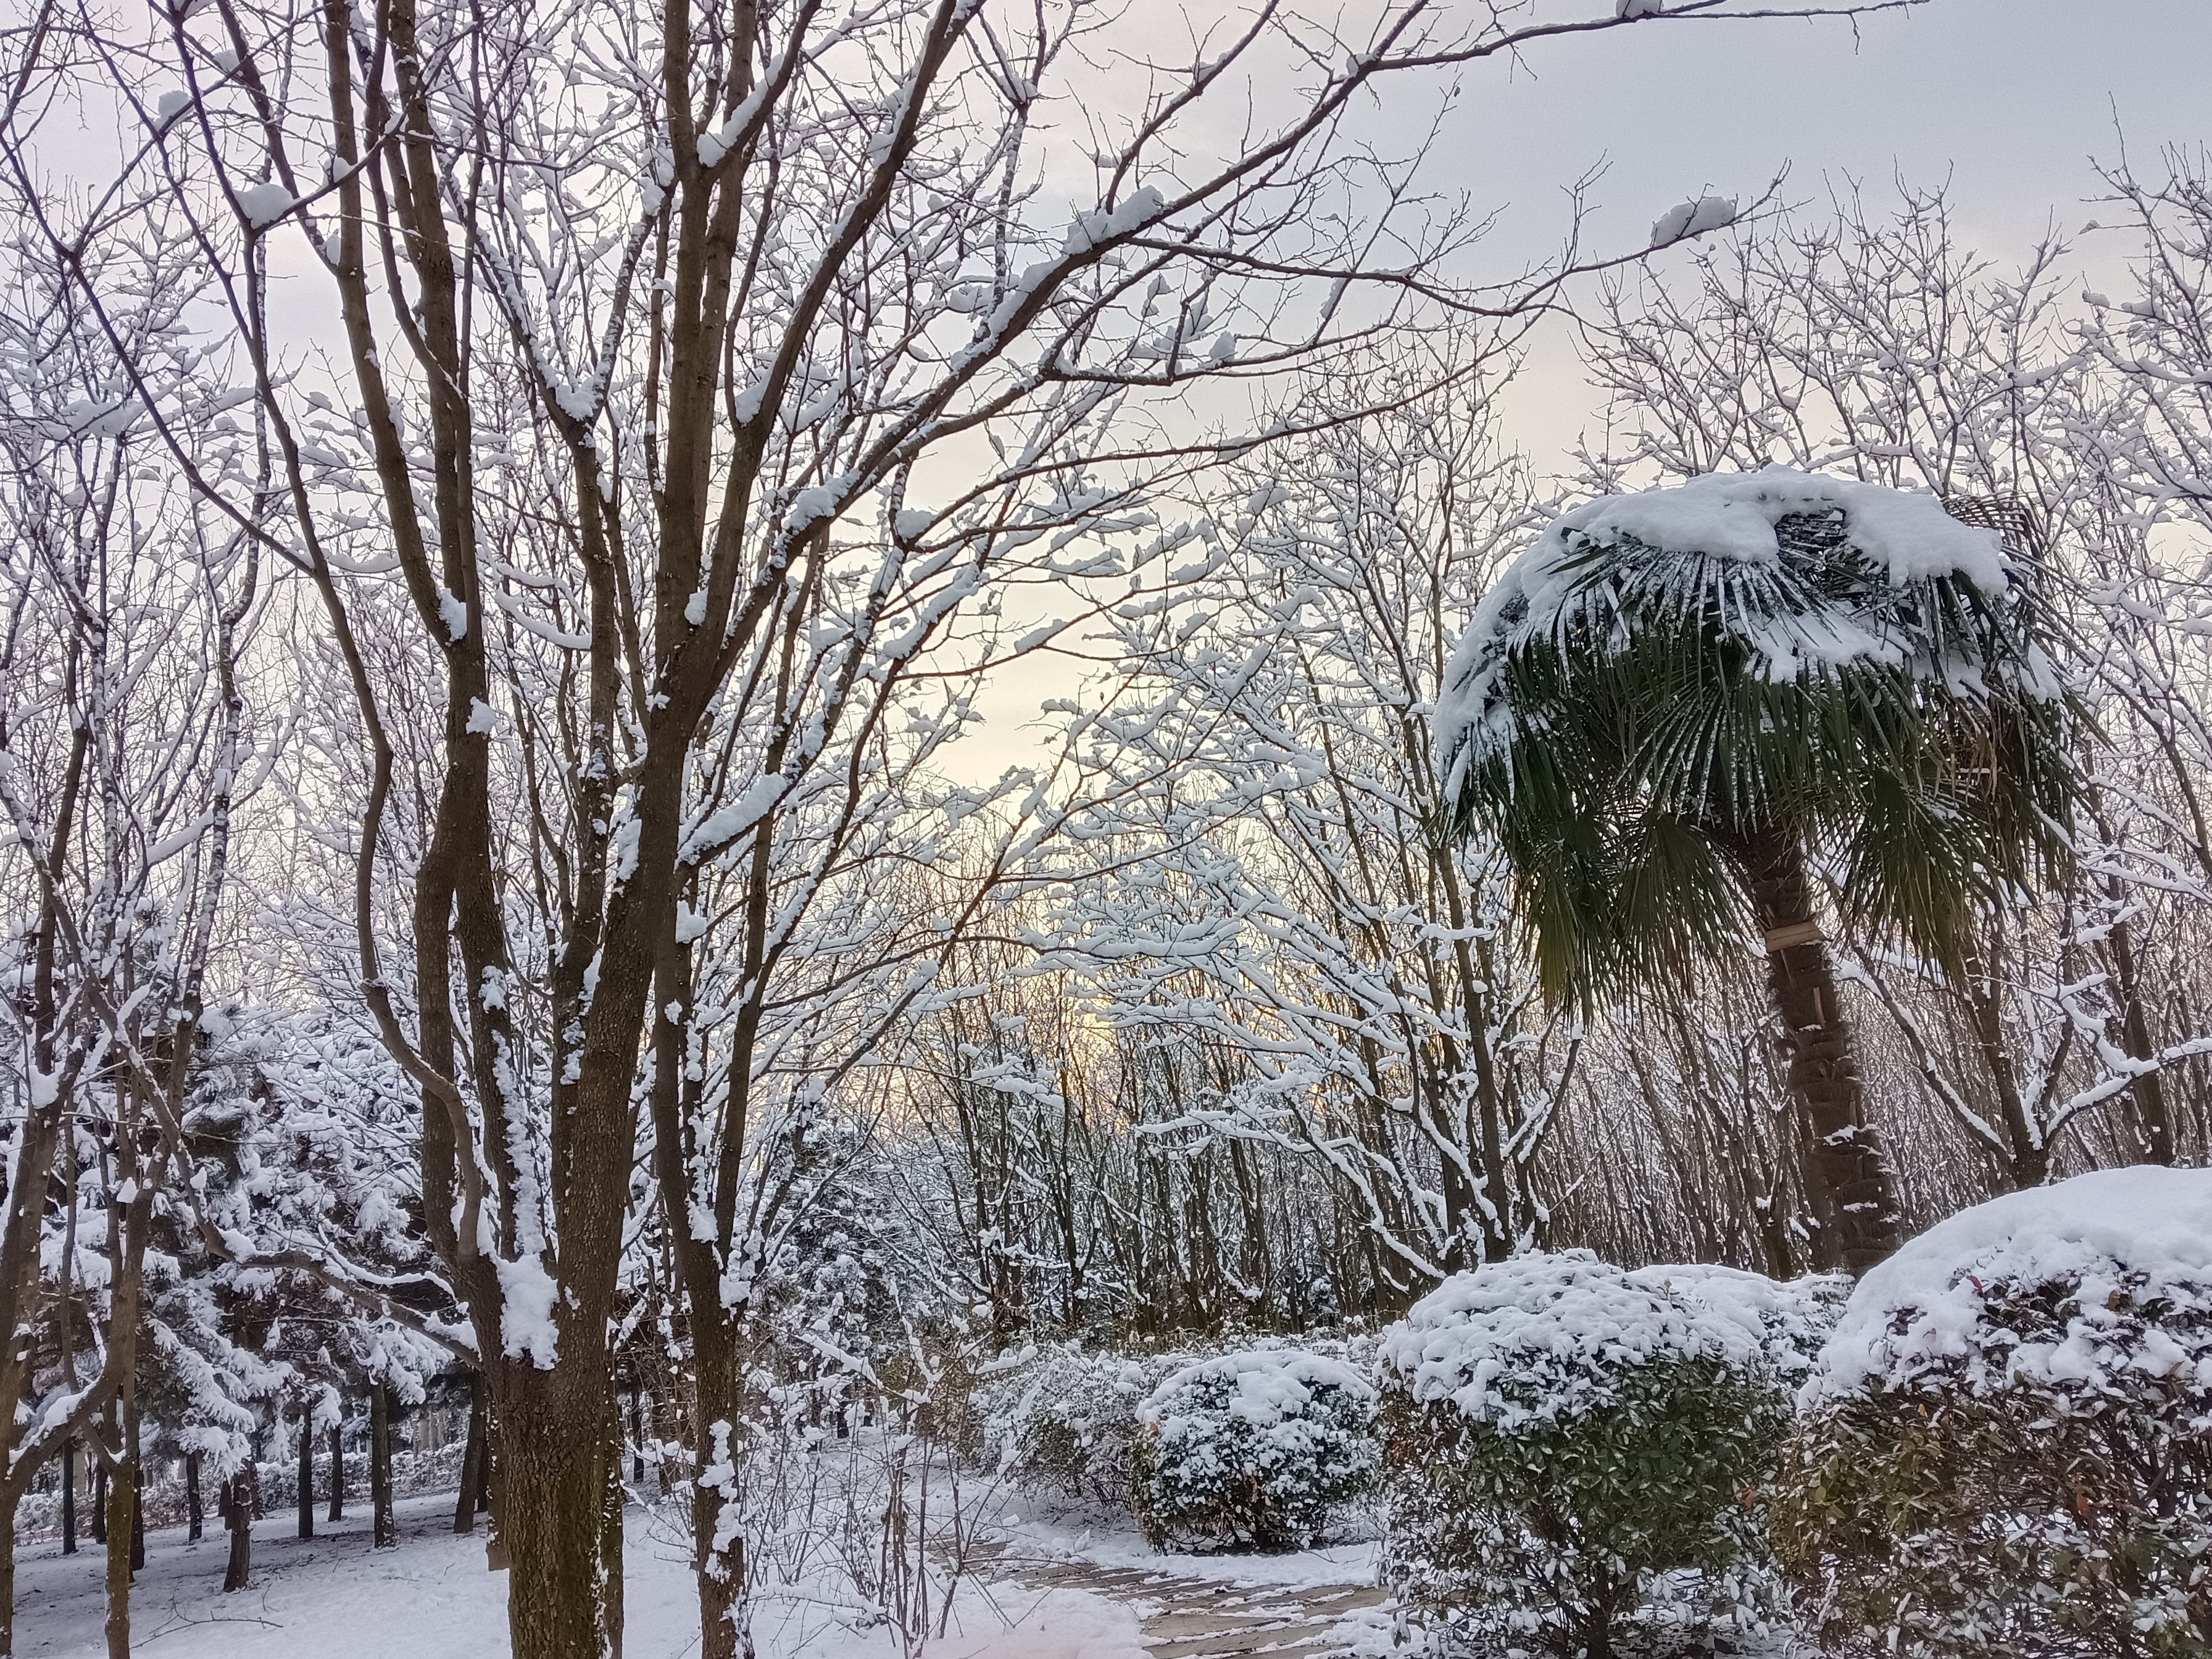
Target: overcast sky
pixel 2008 100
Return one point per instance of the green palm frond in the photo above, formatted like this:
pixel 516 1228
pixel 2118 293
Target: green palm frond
pixel 1627 713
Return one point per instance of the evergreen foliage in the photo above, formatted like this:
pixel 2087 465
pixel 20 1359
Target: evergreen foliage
pixel 1574 1450
pixel 2014 1457
pixel 1636 701
pixel 1261 1447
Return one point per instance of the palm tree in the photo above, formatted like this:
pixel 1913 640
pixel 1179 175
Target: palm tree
pixel 1678 707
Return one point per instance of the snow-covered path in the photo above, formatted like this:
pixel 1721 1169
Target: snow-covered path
pixel 432 1598
pixel 1206 1619
pixel 332 1595
pixel 1318 1604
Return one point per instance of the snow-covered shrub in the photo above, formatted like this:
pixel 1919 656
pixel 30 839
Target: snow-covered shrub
pixel 1263 1446
pixel 1572 1446
pixel 1065 1421
pixel 2007 1448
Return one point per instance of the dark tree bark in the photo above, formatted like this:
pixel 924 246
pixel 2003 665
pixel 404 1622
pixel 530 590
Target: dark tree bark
pixel 2154 1119
pixel 69 1498
pixel 195 1515
pixel 1861 1224
pixel 2029 1165
pixel 385 1528
pixel 636 1433
pixel 100 1502
pixel 137 1493
pixel 235 1500
pixel 466 1503
pixel 338 1469
pixel 488 1470
pixel 307 1475
pixel 121 1500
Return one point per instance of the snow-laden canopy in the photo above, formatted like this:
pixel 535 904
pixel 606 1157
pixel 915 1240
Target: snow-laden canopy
pixel 2109 1245
pixel 1807 572
pixel 1670 688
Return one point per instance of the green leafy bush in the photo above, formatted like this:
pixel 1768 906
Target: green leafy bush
pixel 1574 1450
pixel 1261 1447
pixel 2007 1447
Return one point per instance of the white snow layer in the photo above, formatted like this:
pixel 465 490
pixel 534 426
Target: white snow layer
pixel 1273 1384
pixel 1542 1335
pixel 1927 1306
pixel 432 1598
pixel 1726 515
pixel 264 204
pixel 527 1315
pixel 1684 219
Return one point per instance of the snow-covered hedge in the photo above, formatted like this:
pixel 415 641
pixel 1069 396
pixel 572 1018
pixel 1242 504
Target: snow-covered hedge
pixel 1263 1446
pixel 1065 1420
pixel 2006 1447
pixel 1573 1445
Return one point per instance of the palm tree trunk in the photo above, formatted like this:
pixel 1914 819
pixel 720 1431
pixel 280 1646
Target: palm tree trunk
pixel 1848 1164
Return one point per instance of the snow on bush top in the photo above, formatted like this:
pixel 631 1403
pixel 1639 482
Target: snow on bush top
pixel 2113 1241
pixel 1272 1386
pixel 1792 1320
pixel 1904 536
pixel 1545 1336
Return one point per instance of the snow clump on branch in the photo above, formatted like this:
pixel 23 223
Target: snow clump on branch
pixel 1684 219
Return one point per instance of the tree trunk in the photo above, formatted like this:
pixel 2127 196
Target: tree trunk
pixel 2154 1119
pixel 384 1528
pixel 487 1492
pixel 69 1498
pixel 137 1490
pixel 337 1468
pixel 2029 1165
pixel 1848 1161
pixel 472 1456
pixel 195 1515
pixel 236 1502
pixel 100 1503
pixel 122 1498
pixel 636 1434
pixel 558 1513
pixel 307 1473
pixel 6 1579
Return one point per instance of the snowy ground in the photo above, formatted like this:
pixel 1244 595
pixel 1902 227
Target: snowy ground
pixel 432 1598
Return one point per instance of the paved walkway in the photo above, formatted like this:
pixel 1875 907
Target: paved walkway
pixel 1206 1619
